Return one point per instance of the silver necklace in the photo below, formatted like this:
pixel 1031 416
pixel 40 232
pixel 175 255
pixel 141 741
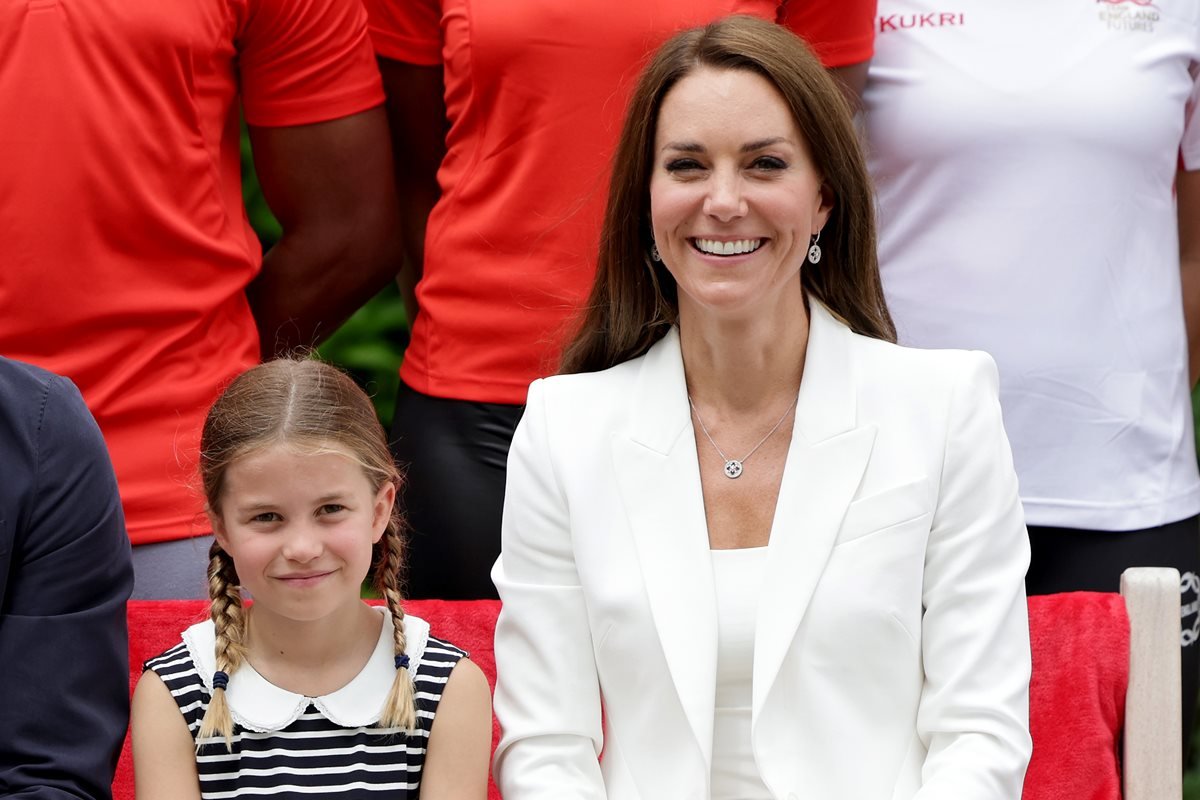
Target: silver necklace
pixel 733 466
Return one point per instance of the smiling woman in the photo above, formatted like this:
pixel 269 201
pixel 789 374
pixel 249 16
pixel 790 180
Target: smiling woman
pixel 796 101
pixel 738 449
pixel 733 212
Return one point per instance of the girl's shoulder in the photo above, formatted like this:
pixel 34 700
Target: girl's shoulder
pixel 439 655
pixel 438 649
pixel 177 670
pixel 256 704
pixel 170 661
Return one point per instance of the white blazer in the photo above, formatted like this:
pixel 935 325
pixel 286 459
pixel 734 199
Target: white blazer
pixel 891 650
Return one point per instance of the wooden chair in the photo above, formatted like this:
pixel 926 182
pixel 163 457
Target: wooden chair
pixel 1153 763
pixel 1105 696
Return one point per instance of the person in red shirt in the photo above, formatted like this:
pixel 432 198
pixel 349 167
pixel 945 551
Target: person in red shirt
pixel 129 264
pixel 506 113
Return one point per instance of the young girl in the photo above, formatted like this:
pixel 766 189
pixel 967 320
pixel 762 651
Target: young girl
pixel 309 691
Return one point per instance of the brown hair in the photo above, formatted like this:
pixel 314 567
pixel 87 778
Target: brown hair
pixel 634 301
pixel 303 403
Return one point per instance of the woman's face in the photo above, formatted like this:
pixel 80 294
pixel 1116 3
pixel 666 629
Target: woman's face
pixel 734 196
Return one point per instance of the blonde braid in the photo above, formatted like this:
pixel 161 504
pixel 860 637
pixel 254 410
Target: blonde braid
pixel 400 708
pixel 229 620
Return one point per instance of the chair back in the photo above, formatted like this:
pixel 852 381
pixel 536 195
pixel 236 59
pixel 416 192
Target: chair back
pixel 1105 699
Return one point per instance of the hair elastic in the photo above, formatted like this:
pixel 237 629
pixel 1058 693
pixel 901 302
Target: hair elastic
pixel 402 661
pixel 220 680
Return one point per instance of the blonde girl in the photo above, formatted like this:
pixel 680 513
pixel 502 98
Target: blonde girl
pixel 308 691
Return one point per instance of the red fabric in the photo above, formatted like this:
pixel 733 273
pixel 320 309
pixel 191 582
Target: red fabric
pixel 535 95
pixel 126 250
pixel 1080 644
pixel 155 625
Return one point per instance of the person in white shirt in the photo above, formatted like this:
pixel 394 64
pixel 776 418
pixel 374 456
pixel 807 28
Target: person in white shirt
pixel 760 536
pixel 1028 157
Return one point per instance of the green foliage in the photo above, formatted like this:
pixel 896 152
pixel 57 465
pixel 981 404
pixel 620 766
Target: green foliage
pixel 1196 416
pixel 370 345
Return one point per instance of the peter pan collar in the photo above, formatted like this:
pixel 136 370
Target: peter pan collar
pixel 259 705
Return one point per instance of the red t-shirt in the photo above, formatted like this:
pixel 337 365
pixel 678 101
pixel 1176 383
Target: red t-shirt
pixel 535 96
pixel 124 244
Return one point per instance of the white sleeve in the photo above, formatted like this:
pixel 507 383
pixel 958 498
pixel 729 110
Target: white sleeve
pixel 1189 147
pixel 974 709
pixel 547 691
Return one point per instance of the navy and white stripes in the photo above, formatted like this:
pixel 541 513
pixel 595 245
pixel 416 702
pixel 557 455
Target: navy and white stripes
pixel 312 755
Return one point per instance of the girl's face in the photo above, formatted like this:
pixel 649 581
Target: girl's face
pixel 300 527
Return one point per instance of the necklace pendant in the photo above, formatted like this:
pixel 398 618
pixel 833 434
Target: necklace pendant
pixel 733 468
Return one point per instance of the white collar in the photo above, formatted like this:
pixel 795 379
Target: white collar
pixel 259 705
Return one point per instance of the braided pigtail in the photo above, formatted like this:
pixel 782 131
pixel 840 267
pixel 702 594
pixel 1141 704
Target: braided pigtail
pixel 400 708
pixel 229 619
pixel 315 408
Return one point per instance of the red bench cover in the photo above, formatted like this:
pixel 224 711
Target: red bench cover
pixel 1080 644
pixel 155 625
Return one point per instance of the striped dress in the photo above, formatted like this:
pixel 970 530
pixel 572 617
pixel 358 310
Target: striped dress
pixel 286 745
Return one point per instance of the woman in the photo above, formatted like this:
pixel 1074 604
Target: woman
pixel 1028 208
pixel 768 541
pixel 504 113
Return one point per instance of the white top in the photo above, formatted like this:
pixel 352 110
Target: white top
pixel 737 577
pixel 259 705
pixel 287 745
pixel 1024 154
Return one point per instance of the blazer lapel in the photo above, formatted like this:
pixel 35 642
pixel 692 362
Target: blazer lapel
pixel 659 478
pixel 825 465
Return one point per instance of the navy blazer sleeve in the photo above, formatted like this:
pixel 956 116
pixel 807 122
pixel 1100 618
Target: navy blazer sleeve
pixel 65 576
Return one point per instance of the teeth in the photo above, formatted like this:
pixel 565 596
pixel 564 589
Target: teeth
pixel 738 247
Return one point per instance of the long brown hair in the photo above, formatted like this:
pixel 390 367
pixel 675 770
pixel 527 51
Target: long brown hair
pixel 301 403
pixel 634 300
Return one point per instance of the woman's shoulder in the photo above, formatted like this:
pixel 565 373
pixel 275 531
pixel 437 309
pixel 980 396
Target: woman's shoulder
pixel 589 393
pixel 922 380
pixel 949 363
pixel 612 380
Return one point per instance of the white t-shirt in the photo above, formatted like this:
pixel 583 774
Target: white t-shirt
pixel 1025 154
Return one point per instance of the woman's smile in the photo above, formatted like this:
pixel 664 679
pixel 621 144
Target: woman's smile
pixel 726 247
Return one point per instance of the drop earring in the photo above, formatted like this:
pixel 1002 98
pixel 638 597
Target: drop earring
pixel 654 254
pixel 814 252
